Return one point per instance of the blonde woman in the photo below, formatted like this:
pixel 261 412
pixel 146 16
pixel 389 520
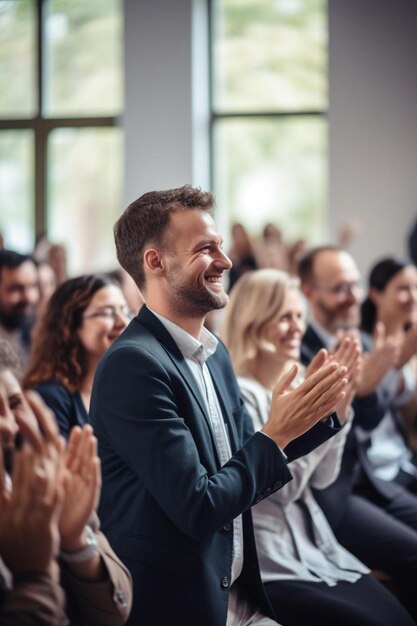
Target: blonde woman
pixel 309 577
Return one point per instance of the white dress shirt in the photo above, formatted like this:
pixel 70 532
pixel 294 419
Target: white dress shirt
pixel 293 538
pixel 195 352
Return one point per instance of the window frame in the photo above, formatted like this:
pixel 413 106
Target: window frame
pixel 258 114
pixel 42 126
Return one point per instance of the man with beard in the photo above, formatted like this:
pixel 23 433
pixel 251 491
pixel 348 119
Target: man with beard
pixel 374 519
pixel 181 463
pixel 19 295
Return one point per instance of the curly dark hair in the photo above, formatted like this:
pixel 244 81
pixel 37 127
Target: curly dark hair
pixel 57 353
pixel 146 220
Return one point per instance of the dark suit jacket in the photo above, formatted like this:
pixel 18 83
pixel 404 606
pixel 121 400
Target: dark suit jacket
pixel 167 506
pixel 355 467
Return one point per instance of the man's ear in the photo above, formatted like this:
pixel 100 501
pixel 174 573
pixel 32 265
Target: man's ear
pixel 153 261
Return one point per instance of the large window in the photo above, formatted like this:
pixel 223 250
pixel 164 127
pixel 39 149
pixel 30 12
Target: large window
pixel 61 152
pixel 269 103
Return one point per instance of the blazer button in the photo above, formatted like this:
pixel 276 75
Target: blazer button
pixel 225 582
pixel 228 527
pixel 121 598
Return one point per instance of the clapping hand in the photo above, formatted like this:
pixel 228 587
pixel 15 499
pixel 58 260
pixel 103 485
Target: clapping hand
pixel 349 354
pixel 377 363
pixel 29 513
pixel 83 482
pixel 295 411
pixel 408 346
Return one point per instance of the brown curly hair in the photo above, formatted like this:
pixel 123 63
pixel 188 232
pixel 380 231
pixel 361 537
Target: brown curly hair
pixel 57 353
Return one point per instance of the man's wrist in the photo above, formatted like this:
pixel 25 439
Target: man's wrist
pixel 276 443
pixel 74 543
pixel 82 550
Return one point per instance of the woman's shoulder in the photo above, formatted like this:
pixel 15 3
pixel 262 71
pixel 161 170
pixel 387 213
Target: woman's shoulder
pixel 53 387
pixel 53 391
pixel 252 391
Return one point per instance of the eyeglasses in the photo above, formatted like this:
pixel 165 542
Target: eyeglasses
pixel 343 289
pixel 111 313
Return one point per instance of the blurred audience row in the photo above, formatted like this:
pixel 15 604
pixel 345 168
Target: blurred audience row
pixel 352 506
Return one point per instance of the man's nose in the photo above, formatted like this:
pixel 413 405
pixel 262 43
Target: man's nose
pixel 225 261
pixel 30 296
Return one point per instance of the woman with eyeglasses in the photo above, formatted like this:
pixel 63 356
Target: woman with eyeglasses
pixel 82 319
pixel 309 577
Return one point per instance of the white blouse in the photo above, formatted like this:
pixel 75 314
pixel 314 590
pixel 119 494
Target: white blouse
pixel 293 537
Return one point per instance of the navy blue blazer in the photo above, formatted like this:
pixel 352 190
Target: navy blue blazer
pixel 167 505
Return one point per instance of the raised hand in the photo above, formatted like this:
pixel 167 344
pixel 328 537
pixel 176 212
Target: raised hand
pixel 408 346
pixel 377 363
pixel 294 412
pixel 83 482
pixel 348 354
pixel 29 535
pixel 317 362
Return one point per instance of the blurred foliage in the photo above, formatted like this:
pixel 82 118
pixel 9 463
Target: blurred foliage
pixel 16 188
pixel 85 193
pixel 18 96
pixel 83 57
pixel 270 56
pixel 273 170
pixel 82 77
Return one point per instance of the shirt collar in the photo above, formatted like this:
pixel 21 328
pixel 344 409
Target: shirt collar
pixel 190 347
pixel 327 338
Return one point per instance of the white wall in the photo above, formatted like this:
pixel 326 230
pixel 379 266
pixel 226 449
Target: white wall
pixel 373 122
pixel 159 121
pixel 158 117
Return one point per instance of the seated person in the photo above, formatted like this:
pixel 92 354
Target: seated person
pixel 56 567
pixel 309 577
pixel 392 301
pixel 81 320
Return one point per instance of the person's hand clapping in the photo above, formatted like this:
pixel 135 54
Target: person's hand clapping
pixel 377 363
pixel 83 482
pixel 293 412
pixel 29 512
pixel 348 354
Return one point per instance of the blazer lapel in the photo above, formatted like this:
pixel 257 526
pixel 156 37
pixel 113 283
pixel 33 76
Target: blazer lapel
pixel 311 344
pixel 171 349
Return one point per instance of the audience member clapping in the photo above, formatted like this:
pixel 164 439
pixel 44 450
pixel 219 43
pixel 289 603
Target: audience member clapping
pixel 309 577
pixel 82 319
pixel 55 564
pixel 392 305
pixel 374 519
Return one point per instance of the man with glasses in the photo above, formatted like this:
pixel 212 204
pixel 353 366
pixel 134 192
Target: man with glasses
pixel 374 519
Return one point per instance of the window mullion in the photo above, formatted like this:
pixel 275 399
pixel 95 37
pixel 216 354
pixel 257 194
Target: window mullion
pixel 41 134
